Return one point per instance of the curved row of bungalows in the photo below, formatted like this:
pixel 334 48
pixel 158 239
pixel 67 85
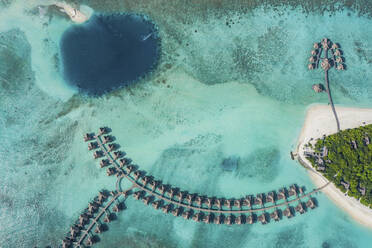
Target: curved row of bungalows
pixel 80 227
pixel 184 196
pixel 175 194
pixel 192 199
pixel 210 217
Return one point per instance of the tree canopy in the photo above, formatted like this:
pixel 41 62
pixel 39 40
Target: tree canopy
pixel 349 160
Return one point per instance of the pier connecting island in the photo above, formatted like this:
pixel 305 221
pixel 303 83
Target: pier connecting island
pixel 249 209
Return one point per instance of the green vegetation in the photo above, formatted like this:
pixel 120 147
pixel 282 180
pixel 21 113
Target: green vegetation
pixel 348 163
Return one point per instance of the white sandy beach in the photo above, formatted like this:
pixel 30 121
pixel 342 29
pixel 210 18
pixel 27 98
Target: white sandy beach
pixel 319 121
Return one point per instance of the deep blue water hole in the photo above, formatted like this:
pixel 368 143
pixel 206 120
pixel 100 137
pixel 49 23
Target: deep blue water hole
pixel 109 51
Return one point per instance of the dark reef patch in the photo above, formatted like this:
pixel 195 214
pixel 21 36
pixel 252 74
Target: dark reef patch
pixel 108 52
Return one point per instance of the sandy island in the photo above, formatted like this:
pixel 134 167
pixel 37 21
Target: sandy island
pixel 319 121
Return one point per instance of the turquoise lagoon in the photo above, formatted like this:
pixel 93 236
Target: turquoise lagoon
pixel 229 83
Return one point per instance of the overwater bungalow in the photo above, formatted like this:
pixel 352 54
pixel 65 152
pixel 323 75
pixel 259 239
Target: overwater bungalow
pixel 111 147
pixel 102 130
pixel 270 197
pixel 117 154
pixel 229 220
pixel 288 212
pixel 177 211
pixel 317 88
pixel 325 43
pixel 337 52
pixel 154 184
pixel 90 212
pixel 335 46
pixel 190 198
pixel 75 227
pixel 229 203
pixel 99 228
pixel 74 233
pixel 316 45
pixel 119 173
pixel 107 218
pixel 145 180
pixel 292 190
pixel 325 64
pixel 99 201
pixel 118 207
pixel 275 215
pixel 97 154
pixel 82 222
pixel 110 171
pixel 66 243
pixel 313 52
pixel 301 190
pixel 129 169
pixel 138 194
pixel 248 200
pixel 219 219
pixel 259 199
pixel 208 218
pixel 299 208
pixel 104 162
pixel 339 60
pixel 198 216
pixel 262 218
pixel 148 199
pixel 92 207
pixel 136 174
pixel 162 189
pixel 88 137
pixel 113 192
pixel 187 214
pixel 311 66
pixel 312 59
pixel 172 192
pixel 90 241
pixel 250 219
pixel 157 204
pixel 240 219
pixel 166 208
pixel 181 195
pixel 238 203
pixel 219 202
pixel 310 204
pixel 122 162
pixel 282 194
pixel 199 200
pixel 107 139
pixel 210 201
pixel 92 145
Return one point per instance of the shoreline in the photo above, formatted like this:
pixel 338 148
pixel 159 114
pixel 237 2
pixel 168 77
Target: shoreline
pixel 319 121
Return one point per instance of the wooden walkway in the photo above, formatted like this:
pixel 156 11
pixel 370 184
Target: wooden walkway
pixel 329 92
pixel 190 206
pixel 94 222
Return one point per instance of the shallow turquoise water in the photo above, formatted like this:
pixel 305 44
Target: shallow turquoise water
pixel 231 91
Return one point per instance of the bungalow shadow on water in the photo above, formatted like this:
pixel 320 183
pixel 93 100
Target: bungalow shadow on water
pixel 109 51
